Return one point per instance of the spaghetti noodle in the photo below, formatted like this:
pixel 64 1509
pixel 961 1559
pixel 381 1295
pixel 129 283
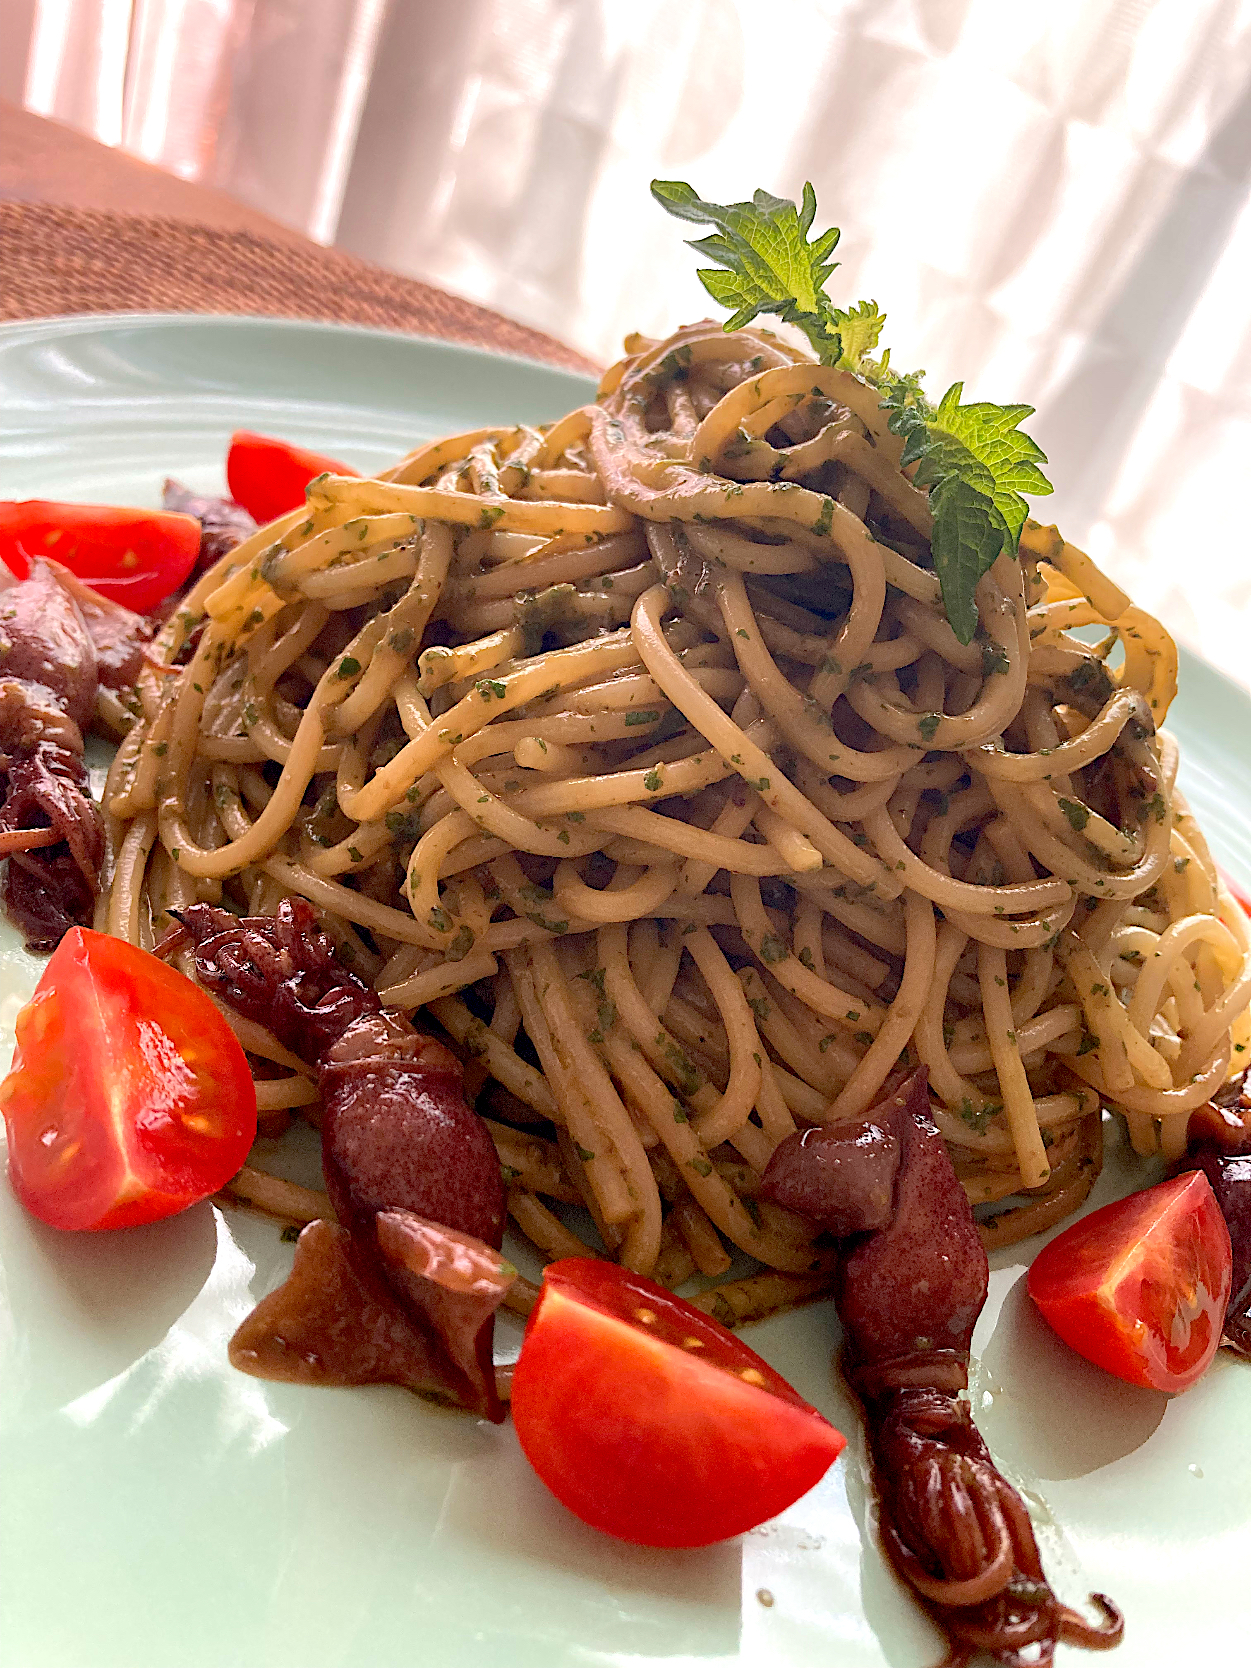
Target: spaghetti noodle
pixel 639 752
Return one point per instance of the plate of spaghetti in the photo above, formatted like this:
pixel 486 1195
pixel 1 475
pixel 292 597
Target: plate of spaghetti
pixel 635 743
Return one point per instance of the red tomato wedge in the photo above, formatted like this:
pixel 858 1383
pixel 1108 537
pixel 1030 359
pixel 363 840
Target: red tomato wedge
pixel 1237 892
pixel 268 476
pixel 129 1098
pixel 649 1420
pixel 135 557
pixel 1140 1287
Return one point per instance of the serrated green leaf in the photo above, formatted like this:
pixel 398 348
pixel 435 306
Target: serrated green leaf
pixel 808 212
pixel 731 251
pixel 717 248
pixel 980 449
pixel 973 459
pixel 764 202
pixel 969 534
pixel 731 290
pixel 778 238
pixel 859 329
pixel 763 244
pixel 680 199
pixel 992 435
pixel 902 392
pixel 940 454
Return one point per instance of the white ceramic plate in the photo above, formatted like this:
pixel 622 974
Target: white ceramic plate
pixel 158 1508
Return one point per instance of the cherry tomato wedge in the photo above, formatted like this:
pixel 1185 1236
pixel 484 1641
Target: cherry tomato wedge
pixel 1140 1287
pixel 129 1098
pixel 268 476
pixel 1237 892
pixel 135 557
pixel 649 1420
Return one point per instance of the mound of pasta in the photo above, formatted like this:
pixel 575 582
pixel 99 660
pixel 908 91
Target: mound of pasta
pixel 638 752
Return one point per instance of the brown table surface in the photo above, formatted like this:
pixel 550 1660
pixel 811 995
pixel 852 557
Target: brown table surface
pixel 85 228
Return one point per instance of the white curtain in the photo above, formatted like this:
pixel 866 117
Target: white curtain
pixel 1052 198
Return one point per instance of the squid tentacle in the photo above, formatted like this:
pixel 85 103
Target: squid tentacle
pixel 1093 1636
pixel 910 1290
pixel 410 1168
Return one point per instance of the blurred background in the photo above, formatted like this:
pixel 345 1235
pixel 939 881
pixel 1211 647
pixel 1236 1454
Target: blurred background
pixel 1052 198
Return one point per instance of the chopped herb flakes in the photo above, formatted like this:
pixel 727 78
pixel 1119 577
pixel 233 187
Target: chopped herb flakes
pixel 1078 815
pixel 994 659
pixel 976 1117
pixel 461 944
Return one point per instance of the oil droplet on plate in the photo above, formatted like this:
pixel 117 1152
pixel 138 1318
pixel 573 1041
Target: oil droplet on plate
pixel 1039 1510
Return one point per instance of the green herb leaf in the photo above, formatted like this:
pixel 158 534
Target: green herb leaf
pixel 770 266
pixel 991 436
pixel 976 463
pixel 859 329
pixel 973 458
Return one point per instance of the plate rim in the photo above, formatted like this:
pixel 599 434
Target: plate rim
pixel 51 322
pixel 74 324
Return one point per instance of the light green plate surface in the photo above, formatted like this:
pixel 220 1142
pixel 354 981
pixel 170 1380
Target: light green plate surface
pixel 159 1510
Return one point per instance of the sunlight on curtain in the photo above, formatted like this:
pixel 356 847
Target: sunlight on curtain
pixel 260 97
pixel 1051 199
pixel 76 63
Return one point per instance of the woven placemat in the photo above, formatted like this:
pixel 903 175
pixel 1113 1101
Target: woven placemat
pixel 70 260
